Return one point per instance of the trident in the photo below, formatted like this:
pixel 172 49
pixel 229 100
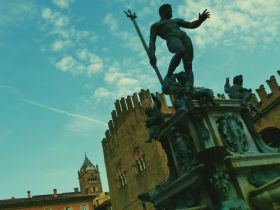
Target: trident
pixel 133 16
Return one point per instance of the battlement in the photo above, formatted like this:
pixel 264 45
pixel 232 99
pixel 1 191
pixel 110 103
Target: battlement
pixel 142 100
pixel 130 104
pixel 266 99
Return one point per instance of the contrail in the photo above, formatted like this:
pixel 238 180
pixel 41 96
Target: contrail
pixel 21 97
pixel 64 112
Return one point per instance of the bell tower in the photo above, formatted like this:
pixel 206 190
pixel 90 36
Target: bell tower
pixel 89 178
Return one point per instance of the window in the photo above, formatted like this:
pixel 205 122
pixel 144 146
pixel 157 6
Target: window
pixel 271 136
pixel 140 160
pixel 141 164
pixel 84 207
pixel 92 179
pixel 68 208
pixel 121 177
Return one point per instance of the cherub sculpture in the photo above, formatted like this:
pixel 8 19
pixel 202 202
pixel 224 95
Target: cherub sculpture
pixel 237 91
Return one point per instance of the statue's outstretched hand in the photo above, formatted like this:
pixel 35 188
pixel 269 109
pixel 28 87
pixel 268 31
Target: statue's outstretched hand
pixel 205 14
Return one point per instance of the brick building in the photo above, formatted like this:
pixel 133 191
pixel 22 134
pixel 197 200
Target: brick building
pixel 86 199
pixel 268 125
pixel 55 201
pixel 134 167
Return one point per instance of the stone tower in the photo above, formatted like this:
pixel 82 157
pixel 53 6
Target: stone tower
pixel 132 165
pixel 89 178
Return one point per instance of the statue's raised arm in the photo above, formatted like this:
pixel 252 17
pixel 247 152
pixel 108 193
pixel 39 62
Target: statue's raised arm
pixel 194 24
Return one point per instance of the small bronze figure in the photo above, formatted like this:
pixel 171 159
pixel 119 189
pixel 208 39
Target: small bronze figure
pixel 237 91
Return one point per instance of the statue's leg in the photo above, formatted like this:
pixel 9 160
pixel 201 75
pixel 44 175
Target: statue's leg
pixel 187 59
pixel 175 61
pixel 175 45
pixel 188 68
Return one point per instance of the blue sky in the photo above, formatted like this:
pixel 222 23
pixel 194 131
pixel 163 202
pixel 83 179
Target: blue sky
pixel 65 62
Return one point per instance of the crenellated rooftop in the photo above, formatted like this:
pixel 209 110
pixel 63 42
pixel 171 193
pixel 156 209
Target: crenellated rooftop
pixel 267 99
pixel 125 106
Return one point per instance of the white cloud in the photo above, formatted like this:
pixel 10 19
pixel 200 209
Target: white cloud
pixel 78 59
pixel 129 40
pixel 46 13
pixel 66 63
pixel 126 81
pixel 248 23
pixel 136 3
pixel 113 74
pixel 101 92
pixel 62 4
pixel 59 45
pixel 146 11
pixel 55 18
pixel 122 81
pixel 82 34
pixel 83 62
pixel 111 22
pixel 16 12
pixel 95 62
pixel 72 34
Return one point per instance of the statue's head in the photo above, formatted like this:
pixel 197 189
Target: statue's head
pixel 238 80
pixel 165 11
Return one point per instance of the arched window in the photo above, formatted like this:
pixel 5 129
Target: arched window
pixel 140 160
pixel 92 179
pixel 271 136
pixel 121 176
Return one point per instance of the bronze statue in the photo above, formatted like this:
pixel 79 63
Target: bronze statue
pixel 154 118
pixel 177 40
pixel 237 91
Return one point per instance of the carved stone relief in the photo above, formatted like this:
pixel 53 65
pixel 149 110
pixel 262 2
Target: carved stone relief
pixel 232 133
